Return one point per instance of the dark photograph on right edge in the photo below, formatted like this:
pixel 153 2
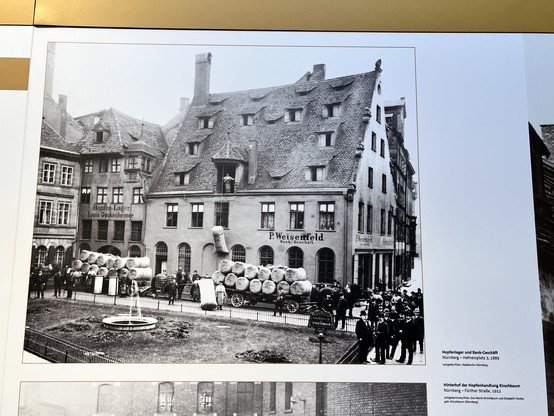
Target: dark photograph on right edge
pixel 539 51
pixel 222 399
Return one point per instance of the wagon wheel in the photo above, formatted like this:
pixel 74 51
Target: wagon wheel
pixel 237 300
pixel 293 306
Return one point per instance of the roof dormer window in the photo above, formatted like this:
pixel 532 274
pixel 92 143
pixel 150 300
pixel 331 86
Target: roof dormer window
pixel 326 139
pixel 331 110
pixel 182 178
pixel 99 137
pixel 194 148
pixel 205 122
pixel 246 119
pixel 293 115
pixel 315 173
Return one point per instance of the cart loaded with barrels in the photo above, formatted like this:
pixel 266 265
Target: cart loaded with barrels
pixel 247 284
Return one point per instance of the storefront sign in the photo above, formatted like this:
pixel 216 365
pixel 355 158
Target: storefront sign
pixel 321 320
pixel 110 211
pixel 286 238
pixel 363 240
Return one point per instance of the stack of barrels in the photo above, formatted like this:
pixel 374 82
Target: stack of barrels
pixel 259 279
pixel 107 265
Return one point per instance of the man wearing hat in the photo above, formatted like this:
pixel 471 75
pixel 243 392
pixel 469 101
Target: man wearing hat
pixel 364 332
pixel 407 338
pixel 381 339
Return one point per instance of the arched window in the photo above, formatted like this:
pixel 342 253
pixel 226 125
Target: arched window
pixel 135 251
pixel 105 399
pixel 41 255
pixel 166 392
pixel 205 398
pixel 326 265
pixel 84 246
pixel 266 255
pixel 183 257
pixel 295 257
pixel 58 255
pixel 238 253
pixel 161 249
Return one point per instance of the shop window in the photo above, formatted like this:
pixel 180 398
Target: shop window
pixel 245 398
pixel 183 257
pixel 135 251
pixel 326 265
pixel 238 253
pixel 295 257
pixel 205 399
pixel 40 254
pixel 59 255
pixel 266 255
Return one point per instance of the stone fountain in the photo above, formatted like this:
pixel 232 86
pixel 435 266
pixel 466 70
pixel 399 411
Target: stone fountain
pixel 130 322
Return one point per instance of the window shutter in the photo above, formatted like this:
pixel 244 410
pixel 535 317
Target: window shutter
pixel 177 179
pixel 325 112
pixel 211 123
pixel 241 120
pixel 308 174
pixel 287 117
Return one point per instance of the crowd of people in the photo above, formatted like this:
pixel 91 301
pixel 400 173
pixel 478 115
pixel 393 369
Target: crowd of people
pixel 64 281
pixel 392 321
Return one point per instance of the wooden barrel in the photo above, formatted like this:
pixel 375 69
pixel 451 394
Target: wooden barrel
pixel 242 283
pixel 238 268
pixel 255 286
pixel 84 255
pixel 85 267
pixel 301 287
pixel 268 287
pixel 226 266
pixel 102 271
pixel 93 257
pixel 137 262
pixel 76 264
pixel 284 285
pixel 277 275
pixel 264 273
pixel 230 280
pixel 94 268
pixel 218 277
pixel 250 271
pixel 293 275
pixel 141 273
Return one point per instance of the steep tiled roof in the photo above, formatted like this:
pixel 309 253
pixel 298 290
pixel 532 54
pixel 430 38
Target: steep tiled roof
pixel 50 139
pixel 285 150
pixel 123 130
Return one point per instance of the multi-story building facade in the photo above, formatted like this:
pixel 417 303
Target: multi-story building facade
pixel 297 175
pixel 223 398
pixel 120 156
pixel 57 202
pixel 405 240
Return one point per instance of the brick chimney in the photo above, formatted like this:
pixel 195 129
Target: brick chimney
pixel 202 79
pixel 62 102
pixel 318 73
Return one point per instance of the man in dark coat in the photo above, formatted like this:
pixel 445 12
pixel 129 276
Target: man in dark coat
pixel 364 332
pixel 381 339
pixel 418 331
pixel 180 283
pixel 407 338
pixel 58 283
pixel 70 283
pixel 342 307
pixel 172 290
pixel 279 302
